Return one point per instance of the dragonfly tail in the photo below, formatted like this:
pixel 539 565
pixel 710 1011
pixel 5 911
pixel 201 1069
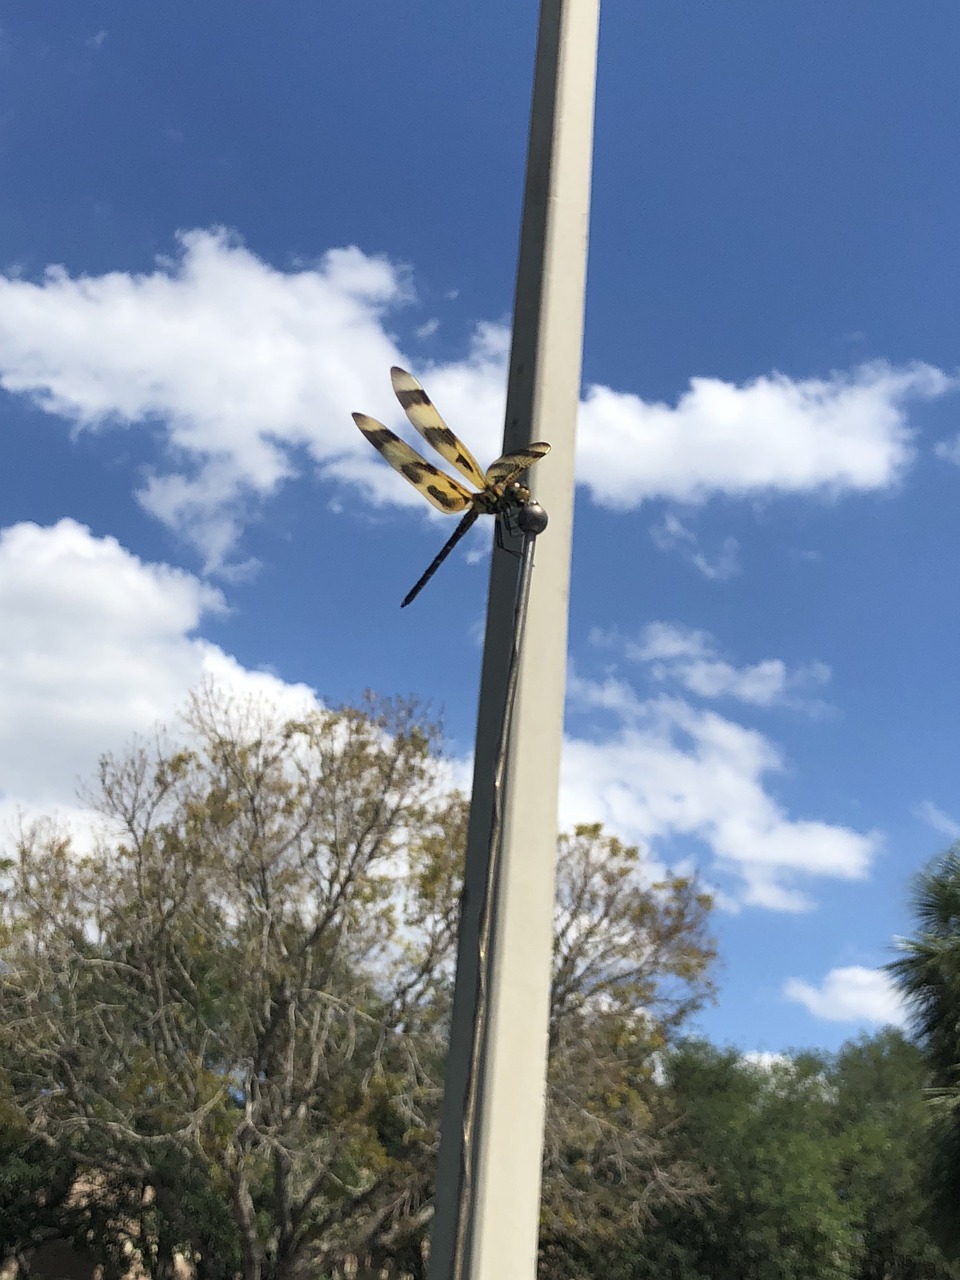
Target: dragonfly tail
pixel 439 558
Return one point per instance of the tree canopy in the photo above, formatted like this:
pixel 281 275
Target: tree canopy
pixel 229 1017
pixel 223 1030
pixel 817 1168
pixel 927 972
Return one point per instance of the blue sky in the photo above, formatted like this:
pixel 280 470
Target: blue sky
pixel 220 224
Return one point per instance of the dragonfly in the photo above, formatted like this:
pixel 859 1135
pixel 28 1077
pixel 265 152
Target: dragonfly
pixel 498 489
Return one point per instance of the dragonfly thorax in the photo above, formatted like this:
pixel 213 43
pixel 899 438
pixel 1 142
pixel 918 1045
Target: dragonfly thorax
pixel 498 498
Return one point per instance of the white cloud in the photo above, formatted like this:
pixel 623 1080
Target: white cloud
pixel 236 367
pixel 763 683
pixel 671 533
pixel 853 994
pixel 235 361
pixel 689 658
pixel 848 431
pixel 675 772
pixel 928 812
pixel 671 772
pixel 96 646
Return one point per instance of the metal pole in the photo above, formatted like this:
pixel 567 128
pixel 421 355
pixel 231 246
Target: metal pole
pixel 488 1174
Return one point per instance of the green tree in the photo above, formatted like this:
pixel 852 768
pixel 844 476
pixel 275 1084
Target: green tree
pixel 631 960
pixel 36 1178
pixel 233 1011
pixel 816 1168
pixel 928 974
pixel 211 1000
pixel 882 1124
pixel 761 1133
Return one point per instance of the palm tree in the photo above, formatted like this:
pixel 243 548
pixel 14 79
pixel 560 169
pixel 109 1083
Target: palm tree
pixel 928 974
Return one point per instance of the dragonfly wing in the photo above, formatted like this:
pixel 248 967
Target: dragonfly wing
pixel 445 493
pixel 506 469
pixel 419 408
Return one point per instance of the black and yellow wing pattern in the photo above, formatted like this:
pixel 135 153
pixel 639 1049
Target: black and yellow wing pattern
pixel 497 490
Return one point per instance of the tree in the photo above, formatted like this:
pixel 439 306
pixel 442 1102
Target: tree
pixel 928 975
pixel 630 966
pixel 815 1164
pixel 36 1179
pixel 233 1012
pixel 882 1124
pixel 212 999
pixel 761 1133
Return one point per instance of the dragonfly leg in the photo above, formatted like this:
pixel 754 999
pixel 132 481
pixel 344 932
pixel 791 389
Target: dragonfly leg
pixel 507 521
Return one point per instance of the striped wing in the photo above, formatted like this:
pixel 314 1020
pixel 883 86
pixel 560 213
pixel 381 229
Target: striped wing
pixel 445 493
pixel 506 469
pixel 419 408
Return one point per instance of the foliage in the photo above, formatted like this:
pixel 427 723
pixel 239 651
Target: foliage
pixel 36 1178
pixel 630 962
pixel 928 975
pixel 928 969
pixel 212 1000
pixel 883 1126
pixel 760 1131
pixel 232 1013
pixel 817 1168
pixel 222 1032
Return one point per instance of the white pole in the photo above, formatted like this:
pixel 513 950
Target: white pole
pixel 486 1222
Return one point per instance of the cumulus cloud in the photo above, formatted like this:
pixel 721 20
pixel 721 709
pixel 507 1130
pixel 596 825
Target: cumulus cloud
pixel 774 433
pixel 675 772
pixel 853 994
pixel 233 362
pixel 239 370
pixel 96 646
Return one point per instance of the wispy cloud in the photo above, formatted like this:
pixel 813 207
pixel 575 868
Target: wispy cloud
pixel 949 450
pixel 660 769
pixel 671 534
pixel 928 812
pixel 689 658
